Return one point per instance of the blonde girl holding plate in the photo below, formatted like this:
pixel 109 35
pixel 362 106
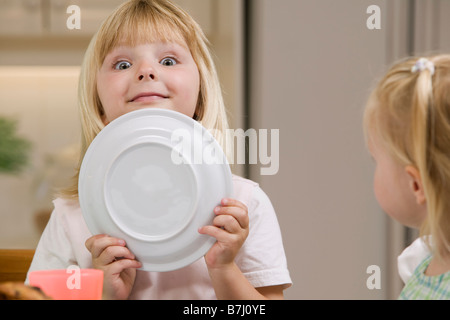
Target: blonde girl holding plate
pixel 151 53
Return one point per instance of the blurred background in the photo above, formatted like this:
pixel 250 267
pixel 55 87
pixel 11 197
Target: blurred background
pixel 304 67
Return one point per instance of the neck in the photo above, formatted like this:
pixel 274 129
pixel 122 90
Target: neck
pixel 439 264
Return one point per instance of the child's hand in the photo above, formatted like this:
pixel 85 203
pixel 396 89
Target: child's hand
pixel 117 262
pixel 230 228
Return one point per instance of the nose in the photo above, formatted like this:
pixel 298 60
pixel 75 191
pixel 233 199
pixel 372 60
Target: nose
pixel 150 76
pixel 146 72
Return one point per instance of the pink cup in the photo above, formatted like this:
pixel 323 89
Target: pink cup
pixel 69 284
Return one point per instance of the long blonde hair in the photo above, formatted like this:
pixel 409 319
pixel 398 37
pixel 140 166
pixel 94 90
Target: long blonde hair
pixel 137 22
pixel 409 113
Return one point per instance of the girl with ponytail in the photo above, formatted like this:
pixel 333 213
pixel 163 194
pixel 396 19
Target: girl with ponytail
pixel 407 130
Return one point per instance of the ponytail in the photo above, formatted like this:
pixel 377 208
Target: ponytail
pixel 409 113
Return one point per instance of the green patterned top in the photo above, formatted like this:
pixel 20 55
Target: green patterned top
pixel 423 287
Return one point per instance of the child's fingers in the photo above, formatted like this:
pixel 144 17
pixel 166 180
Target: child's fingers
pixel 119 265
pixel 236 209
pixel 89 242
pixel 98 243
pixel 114 253
pixel 225 227
pixel 233 202
pixel 228 223
pixel 215 232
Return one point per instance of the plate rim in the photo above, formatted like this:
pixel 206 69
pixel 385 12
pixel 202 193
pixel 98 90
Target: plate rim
pixel 225 172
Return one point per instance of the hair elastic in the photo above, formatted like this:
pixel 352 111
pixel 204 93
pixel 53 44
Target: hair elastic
pixel 423 64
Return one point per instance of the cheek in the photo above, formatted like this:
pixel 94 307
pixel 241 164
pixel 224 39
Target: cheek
pixel 388 193
pixel 102 89
pixel 111 92
pixel 378 187
pixel 187 86
pixel 382 192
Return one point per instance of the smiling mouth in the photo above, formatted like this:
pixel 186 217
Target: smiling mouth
pixel 147 97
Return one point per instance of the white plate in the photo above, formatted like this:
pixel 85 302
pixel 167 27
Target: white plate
pixel 152 177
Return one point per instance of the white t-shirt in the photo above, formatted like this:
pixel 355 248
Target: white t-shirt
pixel 261 259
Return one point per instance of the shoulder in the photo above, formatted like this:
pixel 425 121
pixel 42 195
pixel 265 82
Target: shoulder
pixel 66 205
pixel 259 206
pixel 67 213
pixel 243 186
pixel 240 183
pixel 66 208
pixel 249 192
pixel 423 287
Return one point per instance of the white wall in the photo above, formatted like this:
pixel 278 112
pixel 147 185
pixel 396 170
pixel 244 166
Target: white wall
pixel 313 63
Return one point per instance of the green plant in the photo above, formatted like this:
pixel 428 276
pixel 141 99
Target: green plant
pixel 14 150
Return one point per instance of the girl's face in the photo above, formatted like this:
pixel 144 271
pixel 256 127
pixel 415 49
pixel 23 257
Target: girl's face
pixel 160 75
pixel 393 189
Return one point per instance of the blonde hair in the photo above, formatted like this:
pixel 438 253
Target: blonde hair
pixel 409 114
pixel 144 21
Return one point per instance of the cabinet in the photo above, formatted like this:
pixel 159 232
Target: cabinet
pixel 40 18
pixel 92 13
pixel 49 17
pixel 20 17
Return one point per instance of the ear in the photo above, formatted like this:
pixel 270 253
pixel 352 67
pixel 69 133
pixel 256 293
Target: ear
pixel 415 184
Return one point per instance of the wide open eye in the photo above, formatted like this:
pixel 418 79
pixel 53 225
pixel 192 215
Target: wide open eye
pixel 122 65
pixel 168 62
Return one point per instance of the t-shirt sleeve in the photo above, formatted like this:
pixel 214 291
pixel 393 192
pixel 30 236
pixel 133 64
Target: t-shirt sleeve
pixel 54 250
pixel 262 259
